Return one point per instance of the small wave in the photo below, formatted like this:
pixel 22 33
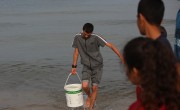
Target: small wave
pixel 115 22
pixel 4 25
pixel 169 21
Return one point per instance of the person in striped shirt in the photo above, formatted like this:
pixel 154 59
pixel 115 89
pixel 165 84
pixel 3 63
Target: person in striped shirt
pixel 87 45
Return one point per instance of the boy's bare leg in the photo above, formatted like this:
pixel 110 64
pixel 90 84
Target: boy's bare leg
pixel 93 96
pixel 85 86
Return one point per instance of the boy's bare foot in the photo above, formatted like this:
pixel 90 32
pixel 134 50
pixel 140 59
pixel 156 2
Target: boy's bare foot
pixel 91 108
pixel 92 104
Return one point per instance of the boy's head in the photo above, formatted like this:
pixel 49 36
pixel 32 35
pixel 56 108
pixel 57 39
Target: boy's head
pixel 88 28
pixel 150 10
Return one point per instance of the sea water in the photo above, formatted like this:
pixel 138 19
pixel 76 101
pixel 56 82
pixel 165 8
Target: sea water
pixel 36 53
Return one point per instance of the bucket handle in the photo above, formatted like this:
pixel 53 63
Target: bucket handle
pixel 69 76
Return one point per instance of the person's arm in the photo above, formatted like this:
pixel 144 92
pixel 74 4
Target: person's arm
pixel 75 59
pixel 115 49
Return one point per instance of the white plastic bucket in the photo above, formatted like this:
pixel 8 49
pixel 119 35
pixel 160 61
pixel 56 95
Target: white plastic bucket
pixel 74 94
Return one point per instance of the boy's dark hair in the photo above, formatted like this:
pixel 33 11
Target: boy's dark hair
pixel 88 27
pixel 152 10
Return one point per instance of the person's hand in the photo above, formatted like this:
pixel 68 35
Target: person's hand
pixel 73 71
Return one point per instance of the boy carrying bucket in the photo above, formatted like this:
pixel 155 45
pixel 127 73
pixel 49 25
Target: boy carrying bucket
pixel 87 45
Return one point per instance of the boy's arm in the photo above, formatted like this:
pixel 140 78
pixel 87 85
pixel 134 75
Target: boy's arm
pixel 115 49
pixel 75 59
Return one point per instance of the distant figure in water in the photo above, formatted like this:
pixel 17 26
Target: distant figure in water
pixel 152 66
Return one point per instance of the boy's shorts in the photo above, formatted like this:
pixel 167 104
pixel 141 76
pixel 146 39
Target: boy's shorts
pixel 93 74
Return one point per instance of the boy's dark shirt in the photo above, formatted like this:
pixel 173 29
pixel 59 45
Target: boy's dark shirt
pixel 163 39
pixel 89 49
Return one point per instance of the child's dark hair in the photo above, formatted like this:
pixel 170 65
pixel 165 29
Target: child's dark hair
pixel 157 71
pixel 88 27
pixel 152 10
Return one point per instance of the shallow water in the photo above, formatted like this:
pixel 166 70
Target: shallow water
pixel 36 52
